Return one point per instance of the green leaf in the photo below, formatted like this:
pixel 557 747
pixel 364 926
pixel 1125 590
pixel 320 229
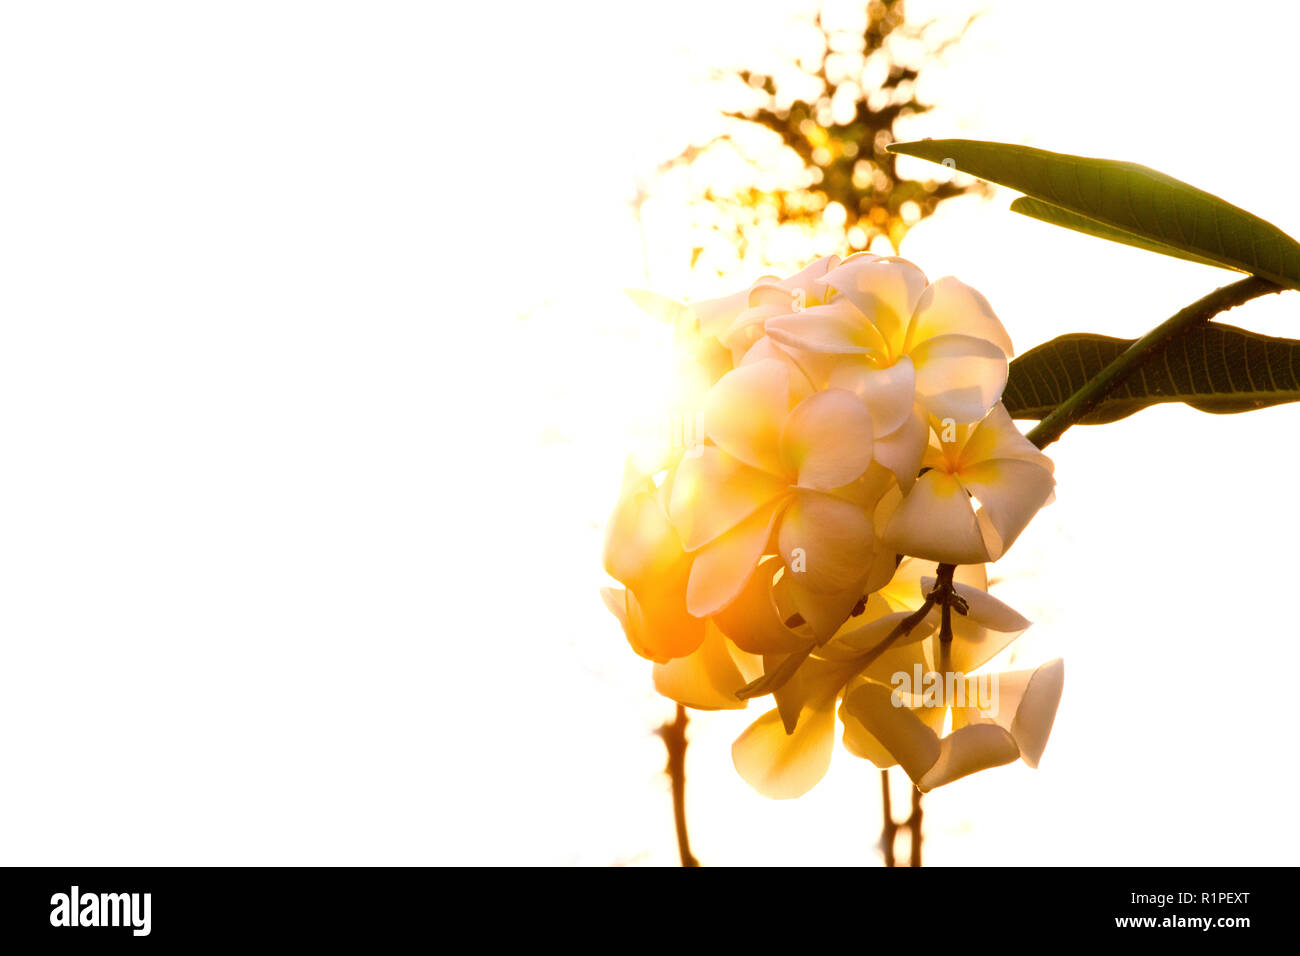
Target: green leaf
pixel 1214 367
pixel 1159 212
pixel 1056 216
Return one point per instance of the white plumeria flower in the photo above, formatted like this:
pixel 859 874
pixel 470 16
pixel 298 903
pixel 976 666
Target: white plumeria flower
pixel 911 736
pixel 776 466
pixel 944 336
pixel 980 491
pixel 851 415
pixel 908 348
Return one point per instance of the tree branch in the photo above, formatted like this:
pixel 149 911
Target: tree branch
pixel 914 824
pixel 888 829
pixel 674 738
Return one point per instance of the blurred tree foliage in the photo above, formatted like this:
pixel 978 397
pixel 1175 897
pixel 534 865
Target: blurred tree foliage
pixel 834 110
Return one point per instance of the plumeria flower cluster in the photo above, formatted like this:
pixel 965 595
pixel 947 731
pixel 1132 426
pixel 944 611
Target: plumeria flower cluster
pixel 854 473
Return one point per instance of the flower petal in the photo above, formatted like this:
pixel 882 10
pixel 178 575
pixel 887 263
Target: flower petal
pixel 906 587
pixel 744 412
pixel 987 611
pixel 810 688
pixel 822 611
pixel 899 730
pixel 889 393
pixel 724 565
pixel 809 280
pixel 1035 708
pixel 861 743
pixel 836 329
pixel 1009 492
pixel 640 543
pixel 996 436
pixel 754 622
pixel 616 601
pixel 959 377
pixel 951 306
pixel 885 290
pixel 783 766
pixel 715 315
pixel 972 646
pixel 826 440
pixel 826 542
pixel 803 373
pixel 706 679
pixel 748 326
pixel 656 623
pixel 935 520
pixel 713 492
pixel 903 449
pixel 973 748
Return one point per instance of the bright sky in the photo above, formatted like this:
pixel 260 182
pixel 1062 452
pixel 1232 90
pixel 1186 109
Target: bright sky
pixel 317 380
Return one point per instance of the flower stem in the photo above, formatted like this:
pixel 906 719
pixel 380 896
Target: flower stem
pixel 902 629
pixel 1074 408
pixel 674 738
